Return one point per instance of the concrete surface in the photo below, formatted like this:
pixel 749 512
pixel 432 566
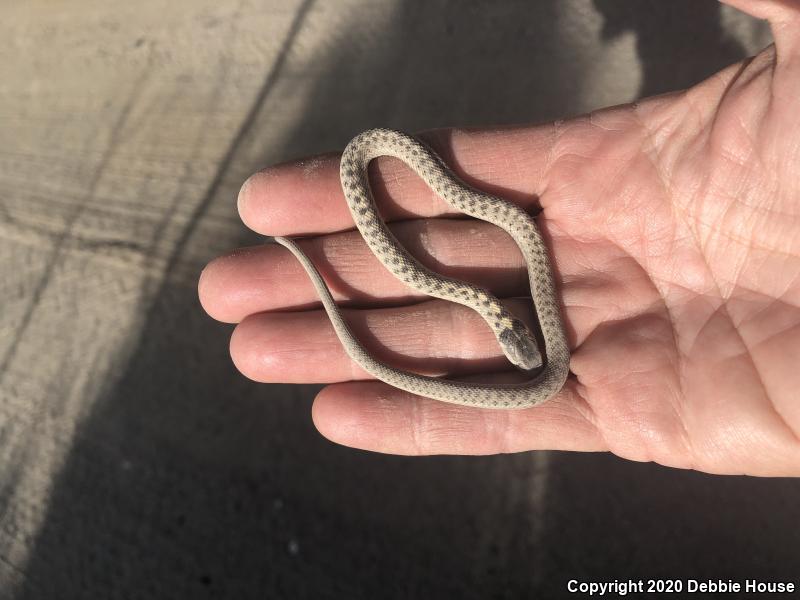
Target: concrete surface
pixel 137 463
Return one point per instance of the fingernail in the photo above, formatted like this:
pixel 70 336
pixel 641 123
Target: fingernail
pixel 241 199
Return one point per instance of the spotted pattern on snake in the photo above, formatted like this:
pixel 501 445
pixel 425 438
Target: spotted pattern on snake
pixel 515 339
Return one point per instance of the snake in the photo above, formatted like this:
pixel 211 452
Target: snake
pixel 547 370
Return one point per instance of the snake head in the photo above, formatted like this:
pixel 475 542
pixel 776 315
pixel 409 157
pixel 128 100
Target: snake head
pixel 520 346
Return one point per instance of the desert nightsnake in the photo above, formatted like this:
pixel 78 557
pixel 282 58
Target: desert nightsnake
pixel 514 337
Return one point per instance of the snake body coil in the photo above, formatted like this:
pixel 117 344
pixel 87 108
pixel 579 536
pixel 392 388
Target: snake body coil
pixel 514 338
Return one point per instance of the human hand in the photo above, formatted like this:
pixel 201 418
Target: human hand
pixel 674 225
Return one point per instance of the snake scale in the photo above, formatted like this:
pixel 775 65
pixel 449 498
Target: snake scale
pixel 515 339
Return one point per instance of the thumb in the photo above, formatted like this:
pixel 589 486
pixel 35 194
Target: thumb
pixel 784 20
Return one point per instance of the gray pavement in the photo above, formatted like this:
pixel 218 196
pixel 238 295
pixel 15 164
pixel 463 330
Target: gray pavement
pixel 135 462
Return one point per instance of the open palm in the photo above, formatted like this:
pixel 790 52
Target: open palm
pixel 674 225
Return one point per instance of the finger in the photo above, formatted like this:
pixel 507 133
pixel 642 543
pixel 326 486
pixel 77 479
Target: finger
pixel 267 277
pixel 374 416
pixel 306 197
pixel 431 338
pixel 599 282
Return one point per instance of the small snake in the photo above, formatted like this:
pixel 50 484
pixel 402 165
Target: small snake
pixel 515 339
